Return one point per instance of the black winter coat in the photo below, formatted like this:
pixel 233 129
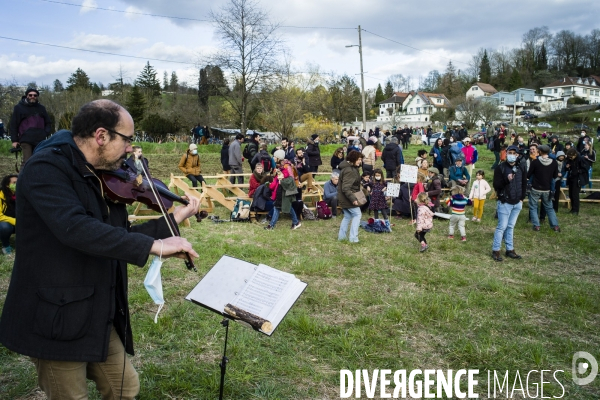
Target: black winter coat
pixel 225 157
pixel 314 154
pixel 29 123
pixel 390 156
pixel 69 281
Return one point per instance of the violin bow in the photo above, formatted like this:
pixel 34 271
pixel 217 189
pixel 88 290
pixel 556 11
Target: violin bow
pixel 170 221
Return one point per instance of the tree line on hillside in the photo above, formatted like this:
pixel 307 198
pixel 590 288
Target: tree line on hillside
pixel 250 83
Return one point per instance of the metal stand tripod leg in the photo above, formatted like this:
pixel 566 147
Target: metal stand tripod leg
pixel 224 360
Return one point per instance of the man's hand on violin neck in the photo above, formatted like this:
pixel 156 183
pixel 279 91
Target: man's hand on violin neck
pixel 175 246
pixel 183 212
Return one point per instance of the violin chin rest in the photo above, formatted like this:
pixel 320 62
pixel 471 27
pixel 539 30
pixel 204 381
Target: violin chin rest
pixel 202 214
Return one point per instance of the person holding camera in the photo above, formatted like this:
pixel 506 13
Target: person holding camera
pixel 510 183
pixel 29 124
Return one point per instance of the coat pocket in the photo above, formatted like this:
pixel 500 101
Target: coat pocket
pixel 64 313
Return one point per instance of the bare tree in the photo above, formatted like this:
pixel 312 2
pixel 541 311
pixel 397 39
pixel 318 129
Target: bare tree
pixel 249 55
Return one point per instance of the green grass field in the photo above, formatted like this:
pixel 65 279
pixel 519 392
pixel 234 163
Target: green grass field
pixel 379 304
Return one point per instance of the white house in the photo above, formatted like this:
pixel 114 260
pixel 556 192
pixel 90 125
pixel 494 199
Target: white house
pixel 480 89
pixel 391 106
pixel 419 108
pixel 586 88
pixel 548 103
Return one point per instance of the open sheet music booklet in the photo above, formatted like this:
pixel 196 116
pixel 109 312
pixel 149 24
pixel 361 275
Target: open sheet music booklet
pixel 257 289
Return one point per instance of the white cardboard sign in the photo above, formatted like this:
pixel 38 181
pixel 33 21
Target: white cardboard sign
pixel 408 173
pixel 393 190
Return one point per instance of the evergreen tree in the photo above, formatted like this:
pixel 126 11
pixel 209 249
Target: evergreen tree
pixel 78 80
pixel 58 86
pixel 542 59
pixel 136 105
pixel 485 71
pixel 165 81
pixel 515 81
pixel 203 88
pixel 96 89
pixel 148 82
pixel 379 96
pixel 389 90
pixel 174 83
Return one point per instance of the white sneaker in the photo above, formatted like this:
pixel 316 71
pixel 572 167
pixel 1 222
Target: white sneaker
pixel 298 225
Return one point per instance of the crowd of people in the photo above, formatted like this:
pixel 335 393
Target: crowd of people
pixel 83 329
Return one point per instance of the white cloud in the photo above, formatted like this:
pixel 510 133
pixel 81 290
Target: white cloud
pixel 87 3
pixel 181 53
pixel 105 42
pixel 131 12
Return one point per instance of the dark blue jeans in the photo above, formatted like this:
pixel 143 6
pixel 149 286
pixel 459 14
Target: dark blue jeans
pixel 6 230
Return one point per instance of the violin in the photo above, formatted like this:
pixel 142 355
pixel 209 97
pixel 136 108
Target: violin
pixel 120 186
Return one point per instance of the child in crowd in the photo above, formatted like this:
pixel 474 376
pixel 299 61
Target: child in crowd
pixel 424 219
pixel 458 202
pixel 378 199
pixel 478 194
pixel 419 187
pixel 365 184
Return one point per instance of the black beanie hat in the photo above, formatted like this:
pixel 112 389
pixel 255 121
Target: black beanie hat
pixel 31 90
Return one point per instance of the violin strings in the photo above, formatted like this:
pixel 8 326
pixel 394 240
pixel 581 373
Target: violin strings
pixel 162 210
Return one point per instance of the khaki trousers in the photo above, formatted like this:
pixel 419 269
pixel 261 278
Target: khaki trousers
pixel 309 181
pixel 66 380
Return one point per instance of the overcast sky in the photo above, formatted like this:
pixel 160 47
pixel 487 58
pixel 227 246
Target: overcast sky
pixel 441 30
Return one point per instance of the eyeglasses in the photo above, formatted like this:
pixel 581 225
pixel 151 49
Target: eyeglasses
pixel 32 95
pixel 126 139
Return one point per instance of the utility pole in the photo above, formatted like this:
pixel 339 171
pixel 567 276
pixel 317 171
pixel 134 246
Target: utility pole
pixel 362 82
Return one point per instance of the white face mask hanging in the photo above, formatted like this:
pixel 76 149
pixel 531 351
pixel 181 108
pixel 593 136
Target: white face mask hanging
pixel 153 282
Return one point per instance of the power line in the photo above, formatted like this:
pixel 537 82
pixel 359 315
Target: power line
pixel 123 11
pixel 414 48
pixel 95 51
pixel 175 17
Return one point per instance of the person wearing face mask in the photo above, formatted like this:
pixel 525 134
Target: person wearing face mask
pixel 313 152
pixel 510 184
pixel 543 172
pixel 8 221
pixel 582 140
pixel 190 165
pixel 29 123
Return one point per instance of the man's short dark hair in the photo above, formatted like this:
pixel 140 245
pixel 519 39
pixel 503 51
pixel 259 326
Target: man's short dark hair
pixel 284 138
pixel 239 136
pixel 96 114
pixel 422 152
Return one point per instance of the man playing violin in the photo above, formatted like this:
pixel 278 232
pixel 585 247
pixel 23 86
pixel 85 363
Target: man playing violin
pixel 66 305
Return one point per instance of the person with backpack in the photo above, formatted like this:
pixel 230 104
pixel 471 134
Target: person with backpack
pixel 458 174
pixel 264 158
pixel 510 184
pixel 251 149
pixel 285 195
pixel 236 159
pixel 330 194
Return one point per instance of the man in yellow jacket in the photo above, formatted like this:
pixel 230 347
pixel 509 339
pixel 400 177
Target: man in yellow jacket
pixel 190 166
